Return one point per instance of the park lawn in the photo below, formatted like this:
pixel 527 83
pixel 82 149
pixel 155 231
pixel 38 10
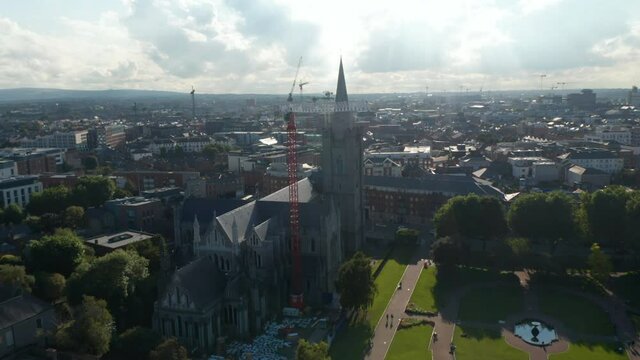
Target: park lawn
pixel 586 351
pixel 387 282
pixel 626 286
pixel 351 342
pixel 491 304
pixel 411 343
pixel 484 344
pixel 450 279
pixel 422 295
pixel 575 312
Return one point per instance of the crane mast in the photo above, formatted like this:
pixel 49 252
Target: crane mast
pixel 296 298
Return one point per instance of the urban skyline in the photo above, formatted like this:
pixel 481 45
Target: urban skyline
pixel 253 47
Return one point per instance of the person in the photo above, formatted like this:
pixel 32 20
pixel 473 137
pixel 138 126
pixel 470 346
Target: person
pixel 435 336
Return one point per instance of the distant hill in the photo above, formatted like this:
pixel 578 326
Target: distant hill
pixel 39 94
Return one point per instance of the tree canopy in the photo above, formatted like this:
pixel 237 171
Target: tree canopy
pixel 13 214
pixel 112 277
pixel 355 282
pixel 16 276
pixel 606 214
pixel 73 217
pixel 50 286
pixel 169 349
pixel 309 351
pixel 448 251
pixel 542 216
pixel 60 253
pixel 50 200
pixel 90 162
pixel 92 191
pixel 90 330
pixel 135 344
pixel 599 263
pixel 471 216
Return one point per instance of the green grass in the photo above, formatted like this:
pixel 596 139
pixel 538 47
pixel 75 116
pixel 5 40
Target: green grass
pixel 491 304
pixel 586 351
pixel 626 286
pixel 351 342
pixel 387 282
pixel 423 293
pixel 635 319
pixel 411 343
pixel 575 312
pixel 484 344
pixel 450 279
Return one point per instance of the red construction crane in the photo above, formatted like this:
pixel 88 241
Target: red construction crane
pixel 296 298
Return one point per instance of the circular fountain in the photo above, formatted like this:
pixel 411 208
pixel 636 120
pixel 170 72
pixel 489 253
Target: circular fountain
pixel 535 332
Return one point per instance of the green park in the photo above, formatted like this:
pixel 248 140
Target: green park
pixel 486 278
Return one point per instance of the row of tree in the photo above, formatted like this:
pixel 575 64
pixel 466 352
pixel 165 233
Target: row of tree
pixel 90 191
pixel 105 294
pixel 609 217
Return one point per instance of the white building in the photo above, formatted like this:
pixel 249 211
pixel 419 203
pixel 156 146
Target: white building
pixel 522 166
pixel 18 190
pixel 8 168
pixel 61 140
pixel 603 160
pixel 157 145
pixel 382 166
pixel 417 155
pixel 606 133
pixel 194 144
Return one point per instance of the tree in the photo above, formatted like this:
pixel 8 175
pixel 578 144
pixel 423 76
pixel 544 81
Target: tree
pixel 449 251
pixel 154 250
pixel 599 263
pixel 355 282
pixel 169 349
pixel 93 191
pixel 16 276
pixel 135 344
pixel 90 331
pixel 112 277
pixel 73 217
pixel 121 193
pixel 632 211
pixel 8 259
pixel 606 215
pixel 60 253
pixel 310 351
pixel 90 162
pixel 211 151
pixel 471 216
pixel 50 286
pixel 47 223
pixel 542 216
pixel 13 215
pixel 407 236
pixel 50 200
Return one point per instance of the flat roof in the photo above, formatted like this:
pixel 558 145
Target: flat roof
pixel 120 239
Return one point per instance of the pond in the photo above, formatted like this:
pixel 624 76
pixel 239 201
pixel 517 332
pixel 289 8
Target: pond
pixel 535 332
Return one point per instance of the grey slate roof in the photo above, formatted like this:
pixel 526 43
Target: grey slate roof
pixel 305 193
pixel 205 208
pixel 437 183
pixel 20 308
pixel 203 281
pixel 341 90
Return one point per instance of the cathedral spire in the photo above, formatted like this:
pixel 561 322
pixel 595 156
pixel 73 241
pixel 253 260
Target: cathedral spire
pixel 341 91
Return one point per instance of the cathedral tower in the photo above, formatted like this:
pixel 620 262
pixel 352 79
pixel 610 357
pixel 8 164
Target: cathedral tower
pixel 342 153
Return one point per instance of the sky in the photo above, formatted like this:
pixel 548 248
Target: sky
pixel 253 46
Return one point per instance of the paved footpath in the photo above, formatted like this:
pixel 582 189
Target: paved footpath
pixel 384 331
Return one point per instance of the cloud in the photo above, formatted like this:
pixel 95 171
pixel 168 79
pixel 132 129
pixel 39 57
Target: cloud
pixel 254 45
